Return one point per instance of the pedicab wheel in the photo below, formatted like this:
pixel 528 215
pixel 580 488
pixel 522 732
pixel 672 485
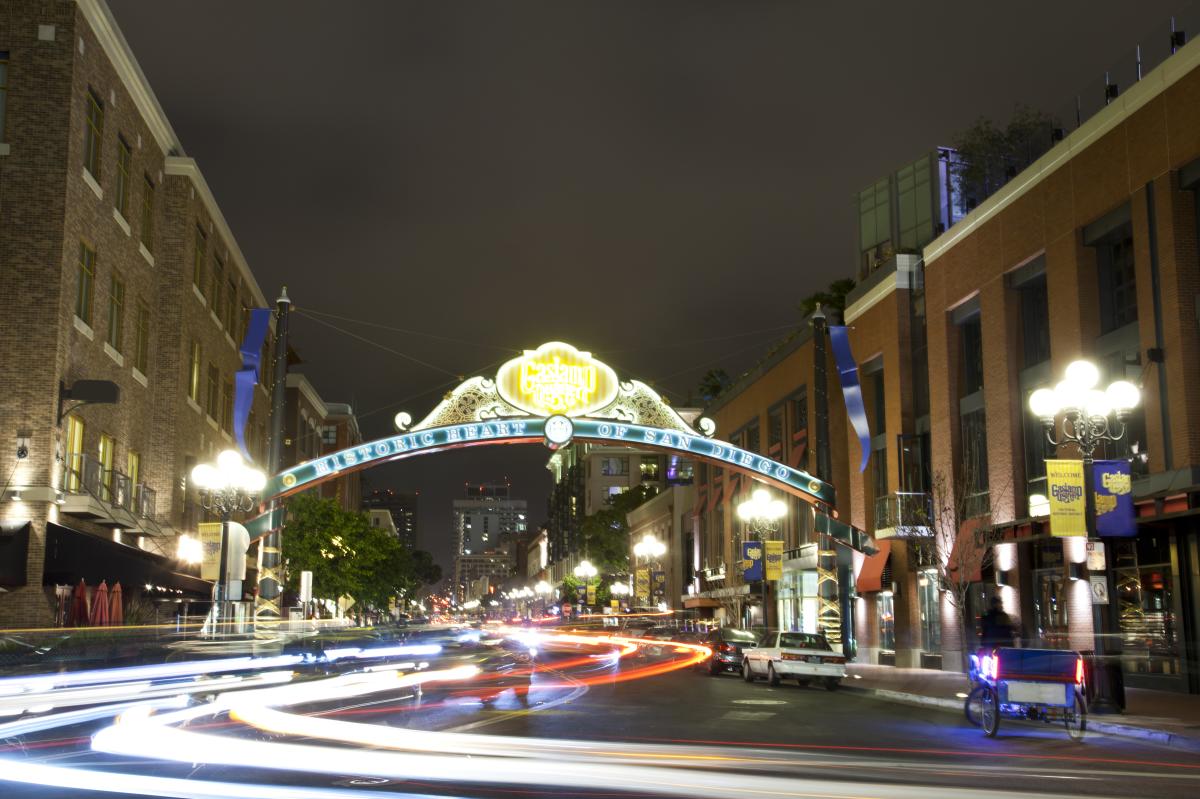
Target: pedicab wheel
pixel 990 711
pixel 973 706
pixel 1075 719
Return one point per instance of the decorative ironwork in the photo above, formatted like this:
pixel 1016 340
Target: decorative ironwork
pixel 476 400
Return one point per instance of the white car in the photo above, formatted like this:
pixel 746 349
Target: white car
pixel 802 657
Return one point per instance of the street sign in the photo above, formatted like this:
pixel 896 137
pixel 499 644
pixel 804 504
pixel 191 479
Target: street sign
pixel 305 586
pixel 1095 556
pixel 1099 589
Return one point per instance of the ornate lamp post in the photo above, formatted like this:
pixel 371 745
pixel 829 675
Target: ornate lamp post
pixel 543 589
pixel 650 550
pixel 619 590
pixel 763 516
pixel 585 571
pixel 1089 418
pixel 231 486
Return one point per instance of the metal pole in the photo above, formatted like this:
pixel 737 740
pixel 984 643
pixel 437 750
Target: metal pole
pixel 222 587
pixel 1105 699
pixel 267 608
pixel 820 397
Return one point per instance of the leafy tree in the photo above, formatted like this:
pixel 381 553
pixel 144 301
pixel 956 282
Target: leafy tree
pixel 989 156
pixel 833 297
pixel 605 533
pixel 714 382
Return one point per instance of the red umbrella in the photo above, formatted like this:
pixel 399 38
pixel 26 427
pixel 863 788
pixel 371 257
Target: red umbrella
pixel 116 609
pixel 100 605
pixel 79 605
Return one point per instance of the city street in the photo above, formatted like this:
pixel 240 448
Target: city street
pixel 608 723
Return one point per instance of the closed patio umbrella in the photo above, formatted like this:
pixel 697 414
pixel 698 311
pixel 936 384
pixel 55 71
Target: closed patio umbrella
pixel 100 606
pixel 116 608
pixel 79 606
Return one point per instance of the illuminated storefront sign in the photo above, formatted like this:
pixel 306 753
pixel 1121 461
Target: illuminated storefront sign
pixel 556 378
pixel 502 431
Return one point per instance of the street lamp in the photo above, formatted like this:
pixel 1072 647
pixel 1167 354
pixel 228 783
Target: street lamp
pixel 1089 418
pixel 585 570
pixel 762 516
pixel 649 549
pixel 231 486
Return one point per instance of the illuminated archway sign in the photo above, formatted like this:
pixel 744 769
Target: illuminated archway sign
pixel 553 395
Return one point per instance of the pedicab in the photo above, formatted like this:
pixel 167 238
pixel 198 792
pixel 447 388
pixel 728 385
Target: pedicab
pixel 1032 684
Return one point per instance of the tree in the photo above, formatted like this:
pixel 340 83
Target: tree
pixel 714 382
pixel 948 536
pixel 988 156
pixel 833 297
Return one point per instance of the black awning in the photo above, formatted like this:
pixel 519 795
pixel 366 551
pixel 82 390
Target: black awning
pixel 72 556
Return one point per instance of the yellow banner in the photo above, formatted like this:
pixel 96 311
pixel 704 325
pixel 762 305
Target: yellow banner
pixel 1068 507
pixel 209 534
pixel 641 584
pixel 773 552
pixel 591 594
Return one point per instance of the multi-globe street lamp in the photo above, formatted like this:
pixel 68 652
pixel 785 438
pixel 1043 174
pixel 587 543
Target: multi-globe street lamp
pixel 650 550
pixel 543 589
pixel 230 486
pixel 585 571
pixel 619 590
pixel 1089 417
pixel 763 517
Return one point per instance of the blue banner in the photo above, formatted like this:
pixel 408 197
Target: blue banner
pixel 1113 487
pixel 752 561
pixel 848 372
pixel 247 378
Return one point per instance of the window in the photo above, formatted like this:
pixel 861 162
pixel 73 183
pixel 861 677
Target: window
pixel 124 162
pixel 116 312
pixel 227 406
pixel 799 430
pixel 214 295
pixel 1035 322
pixel 147 212
pixel 108 447
pixel 231 301
pixel 87 279
pixel 914 205
pixel 971 351
pixel 929 602
pixel 214 392
pixel 199 259
pixel 975 462
pixel 614 467
pixel 875 225
pixel 1116 279
pixel 194 367
pixel 329 434
pixel 141 354
pixel 3 89
pixel 753 438
pixel 878 403
pixel 93 131
pixel 74 453
pixel 650 467
pixel 775 432
pixel 887 621
pixel 133 466
pixel 1037 449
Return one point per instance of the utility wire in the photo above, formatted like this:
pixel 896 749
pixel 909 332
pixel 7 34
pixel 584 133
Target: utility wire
pixel 435 336
pixel 384 347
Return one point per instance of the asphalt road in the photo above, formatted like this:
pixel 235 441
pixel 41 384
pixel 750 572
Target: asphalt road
pixel 809 741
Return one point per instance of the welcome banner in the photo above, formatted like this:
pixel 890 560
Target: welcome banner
pixel 1068 506
pixel 774 559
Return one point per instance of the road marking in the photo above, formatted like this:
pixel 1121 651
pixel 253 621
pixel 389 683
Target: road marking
pixel 747 715
pixel 760 702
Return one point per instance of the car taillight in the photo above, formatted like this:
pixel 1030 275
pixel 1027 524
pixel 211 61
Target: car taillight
pixel 726 648
pixel 1079 671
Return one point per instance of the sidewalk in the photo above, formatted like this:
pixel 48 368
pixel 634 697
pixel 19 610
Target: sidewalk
pixel 1165 718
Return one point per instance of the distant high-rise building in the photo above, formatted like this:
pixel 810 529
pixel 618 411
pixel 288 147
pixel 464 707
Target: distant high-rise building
pixel 403 510
pixel 487 518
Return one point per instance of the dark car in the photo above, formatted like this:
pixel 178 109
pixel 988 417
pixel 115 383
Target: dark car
pixel 727 644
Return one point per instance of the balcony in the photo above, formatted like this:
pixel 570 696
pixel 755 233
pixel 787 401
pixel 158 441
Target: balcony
pixel 106 496
pixel 905 514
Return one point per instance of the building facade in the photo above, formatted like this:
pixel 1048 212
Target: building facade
pixel 313 427
pixel 403 508
pixel 116 264
pixel 487 518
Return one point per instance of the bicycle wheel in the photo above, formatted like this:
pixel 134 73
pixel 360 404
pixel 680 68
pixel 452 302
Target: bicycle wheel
pixel 990 711
pixel 973 706
pixel 1076 719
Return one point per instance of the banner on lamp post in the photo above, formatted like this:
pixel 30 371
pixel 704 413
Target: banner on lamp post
pixel 752 561
pixel 642 585
pixel 209 534
pixel 774 559
pixel 658 584
pixel 591 594
pixel 1068 506
pixel 1112 484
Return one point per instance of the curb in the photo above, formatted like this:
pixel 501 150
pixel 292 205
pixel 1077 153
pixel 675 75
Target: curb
pixel 1161 737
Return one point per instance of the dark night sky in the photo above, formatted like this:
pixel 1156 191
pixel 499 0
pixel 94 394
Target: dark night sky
pixel 652 181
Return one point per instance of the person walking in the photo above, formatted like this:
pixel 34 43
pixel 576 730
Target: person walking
pixel 997 627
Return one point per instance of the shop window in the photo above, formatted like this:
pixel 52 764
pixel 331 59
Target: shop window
pixel 930 605
pixel 1050 596
pixel 885 615
pixel 1146 596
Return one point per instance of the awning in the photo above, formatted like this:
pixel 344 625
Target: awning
pixel 968 554
pixel 72 555
pixel 870 577
pixel 692 602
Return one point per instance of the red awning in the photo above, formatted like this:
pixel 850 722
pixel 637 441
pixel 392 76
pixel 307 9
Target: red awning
pixel 870 577
pixel 967 555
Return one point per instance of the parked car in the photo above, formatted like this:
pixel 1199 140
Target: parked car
pixel 727 644
pixel 803 657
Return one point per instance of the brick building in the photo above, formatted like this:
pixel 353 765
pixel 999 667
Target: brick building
pixel 313 427
pixel 116 264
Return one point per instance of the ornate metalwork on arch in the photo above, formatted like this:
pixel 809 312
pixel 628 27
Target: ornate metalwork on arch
pixel 578 397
